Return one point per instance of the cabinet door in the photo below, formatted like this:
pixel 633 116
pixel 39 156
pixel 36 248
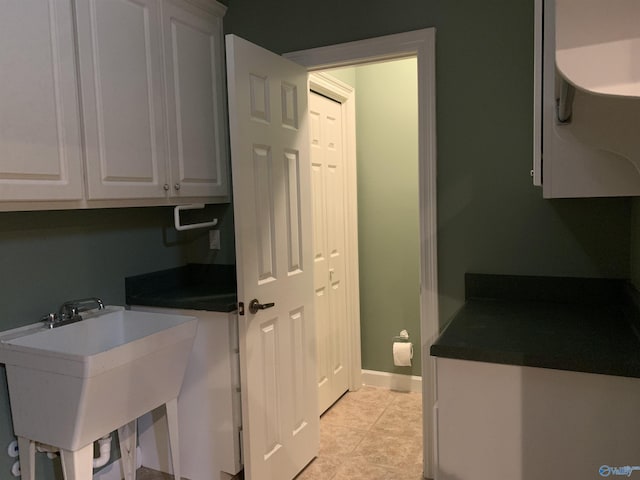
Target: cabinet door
pixel 196 102
pixel 40 148
pixel 119 44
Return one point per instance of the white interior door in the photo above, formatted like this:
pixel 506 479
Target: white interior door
pixel 327 177
pixel 272 208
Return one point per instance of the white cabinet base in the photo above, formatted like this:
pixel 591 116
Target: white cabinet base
pixel 209 409
pixel 523 423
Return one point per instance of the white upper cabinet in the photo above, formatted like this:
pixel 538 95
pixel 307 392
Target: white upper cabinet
pixel 145 78
pixel 120 50
pixel 40 146
pixel 587 98
pixel 195 101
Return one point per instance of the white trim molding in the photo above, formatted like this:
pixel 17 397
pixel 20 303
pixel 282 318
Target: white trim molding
pixel 392 381
pixel 419 44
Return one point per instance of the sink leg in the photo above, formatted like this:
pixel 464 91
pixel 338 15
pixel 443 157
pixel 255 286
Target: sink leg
pixel 77 464
pixel 27 450
pixel 127 437
pixel 174 440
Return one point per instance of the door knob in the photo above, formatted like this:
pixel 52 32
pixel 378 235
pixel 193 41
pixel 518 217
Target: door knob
pixel 255 306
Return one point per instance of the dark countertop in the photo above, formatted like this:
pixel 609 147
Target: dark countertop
pixel 190 287
pixel 583 325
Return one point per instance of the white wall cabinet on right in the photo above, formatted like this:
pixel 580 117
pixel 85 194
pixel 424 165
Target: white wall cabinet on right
pixel 586 98
pixel 153 100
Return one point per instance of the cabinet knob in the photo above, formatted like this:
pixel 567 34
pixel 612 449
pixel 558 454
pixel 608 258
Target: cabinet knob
pixel 177 186
pixel 166 187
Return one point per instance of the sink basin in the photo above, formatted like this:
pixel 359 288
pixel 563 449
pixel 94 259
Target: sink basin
pixel 71 385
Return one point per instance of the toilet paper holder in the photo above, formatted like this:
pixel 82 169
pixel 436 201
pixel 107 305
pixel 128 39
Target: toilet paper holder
pixel 403 337
pixel 402 350
pixel 398 338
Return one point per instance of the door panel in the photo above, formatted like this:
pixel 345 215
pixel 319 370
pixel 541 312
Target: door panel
pixel 264 213
pixel 195 100
pixel 121 74
pixel 294 221
pixel 40 145
pixel 327 166
pixel 272 207
pixel 269 340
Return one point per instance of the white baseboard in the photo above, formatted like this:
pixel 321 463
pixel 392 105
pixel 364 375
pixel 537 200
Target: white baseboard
pixel 392 381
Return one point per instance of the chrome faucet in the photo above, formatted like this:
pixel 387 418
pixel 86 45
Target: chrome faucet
pixel 69 311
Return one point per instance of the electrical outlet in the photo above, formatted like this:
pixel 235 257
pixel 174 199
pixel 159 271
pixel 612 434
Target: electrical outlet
pixel 214 239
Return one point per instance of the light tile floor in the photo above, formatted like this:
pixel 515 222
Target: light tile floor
pixel 372 434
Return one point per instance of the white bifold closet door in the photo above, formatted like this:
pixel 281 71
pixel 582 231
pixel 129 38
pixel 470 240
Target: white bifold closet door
pixel 327 178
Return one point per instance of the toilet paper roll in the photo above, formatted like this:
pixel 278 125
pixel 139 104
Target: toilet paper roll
pixel 402 354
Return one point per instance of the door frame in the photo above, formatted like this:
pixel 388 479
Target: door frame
pixel 421 44
pixel 344 94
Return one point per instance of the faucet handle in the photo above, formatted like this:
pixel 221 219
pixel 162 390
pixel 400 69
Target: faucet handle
pixel 50 319
pixel 72 308
pixel 68 310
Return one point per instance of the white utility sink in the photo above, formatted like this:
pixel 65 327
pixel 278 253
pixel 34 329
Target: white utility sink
pixel 73 384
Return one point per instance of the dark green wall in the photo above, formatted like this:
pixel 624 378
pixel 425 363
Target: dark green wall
pixel 55 256
pixel 197 241
pixel 490 217
pixel 388 208
pixel 388 216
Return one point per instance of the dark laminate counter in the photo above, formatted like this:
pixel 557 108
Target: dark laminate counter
pixel 191 287
pixel 583 325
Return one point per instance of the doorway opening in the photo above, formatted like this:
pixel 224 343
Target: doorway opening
pixel 375 282
pixel 421 45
